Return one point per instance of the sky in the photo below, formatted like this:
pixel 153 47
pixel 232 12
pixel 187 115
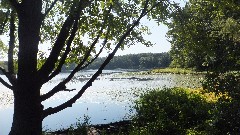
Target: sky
pixel 158 38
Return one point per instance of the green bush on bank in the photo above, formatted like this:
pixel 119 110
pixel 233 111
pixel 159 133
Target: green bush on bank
pixel 174 111
pixel 215 109
pixel 227 109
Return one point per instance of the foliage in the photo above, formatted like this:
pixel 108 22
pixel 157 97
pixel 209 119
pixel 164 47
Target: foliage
pixel 223 83
pixel 80 128
pixel 227 108
pixel 203 35
pixel 173 111
pixel 3 64
pixel 3 49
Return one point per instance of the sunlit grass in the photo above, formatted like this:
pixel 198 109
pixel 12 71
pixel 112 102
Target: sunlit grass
pixel 175 71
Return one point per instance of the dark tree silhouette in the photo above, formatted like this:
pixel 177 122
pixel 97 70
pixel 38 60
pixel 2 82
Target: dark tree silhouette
pixel 66 24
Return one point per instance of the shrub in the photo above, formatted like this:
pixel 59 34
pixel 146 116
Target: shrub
pixel 223 83
pixel 172 111
pixel 80 127
pixel 227 110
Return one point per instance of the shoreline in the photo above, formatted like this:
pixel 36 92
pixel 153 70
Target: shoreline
pixel 110 128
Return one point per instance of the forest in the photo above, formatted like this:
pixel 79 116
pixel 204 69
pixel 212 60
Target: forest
pixel 129 61
pixel 135 61
pixel 205 35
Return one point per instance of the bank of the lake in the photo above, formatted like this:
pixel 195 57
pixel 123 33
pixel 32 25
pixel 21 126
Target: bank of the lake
pixel 176 71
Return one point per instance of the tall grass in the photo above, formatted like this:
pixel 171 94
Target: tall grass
pixel 175 71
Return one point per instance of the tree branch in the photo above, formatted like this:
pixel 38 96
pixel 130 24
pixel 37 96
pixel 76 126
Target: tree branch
pixel 62 84
pixel 49 65
pixel 97 55
pixel 11 43
pixel 11 77
pixel 71 101
pixel 6 84
pixel 69 90
pixel 68 49
pixel 50 8
pixel 80 66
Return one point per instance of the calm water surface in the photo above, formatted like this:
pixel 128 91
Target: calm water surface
pixel 107 100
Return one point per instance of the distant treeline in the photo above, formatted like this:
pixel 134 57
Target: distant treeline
pixel 135 61
pixel 130 61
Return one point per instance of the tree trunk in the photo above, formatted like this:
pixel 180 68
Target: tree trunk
pixel 27 117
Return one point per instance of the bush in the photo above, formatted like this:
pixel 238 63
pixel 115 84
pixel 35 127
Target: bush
pixel 223 83
pixel 80 127
pixel 227 110
pixel 173 111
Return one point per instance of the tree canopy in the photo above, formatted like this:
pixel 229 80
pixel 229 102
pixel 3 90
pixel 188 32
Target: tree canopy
pixel 205 35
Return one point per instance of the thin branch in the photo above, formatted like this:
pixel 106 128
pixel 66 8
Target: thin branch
pixel 87 55
pixel 6 84
pixel 71 101
pixel 97 55
pixel 64 57
pixel 67 51
pixel 62 84
pixel 80 66
pixel 69 90
pixel 50 8
pixel 11 77
pixel 49 65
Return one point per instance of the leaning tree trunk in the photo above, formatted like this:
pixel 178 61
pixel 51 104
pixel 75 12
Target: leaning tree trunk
pixel 27 118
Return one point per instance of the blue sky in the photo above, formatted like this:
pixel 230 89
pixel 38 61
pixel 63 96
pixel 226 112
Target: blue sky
pixel 158 38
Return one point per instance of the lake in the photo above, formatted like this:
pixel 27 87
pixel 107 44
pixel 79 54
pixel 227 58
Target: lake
pixel 107 100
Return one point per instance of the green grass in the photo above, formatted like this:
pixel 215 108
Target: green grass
pixel 175 71
pixel 164 71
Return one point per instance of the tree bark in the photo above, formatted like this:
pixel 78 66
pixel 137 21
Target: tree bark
pixel 11 43
pixel 27 117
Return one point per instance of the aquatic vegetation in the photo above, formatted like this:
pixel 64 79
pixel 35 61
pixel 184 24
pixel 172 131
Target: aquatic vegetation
pixel 175 71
